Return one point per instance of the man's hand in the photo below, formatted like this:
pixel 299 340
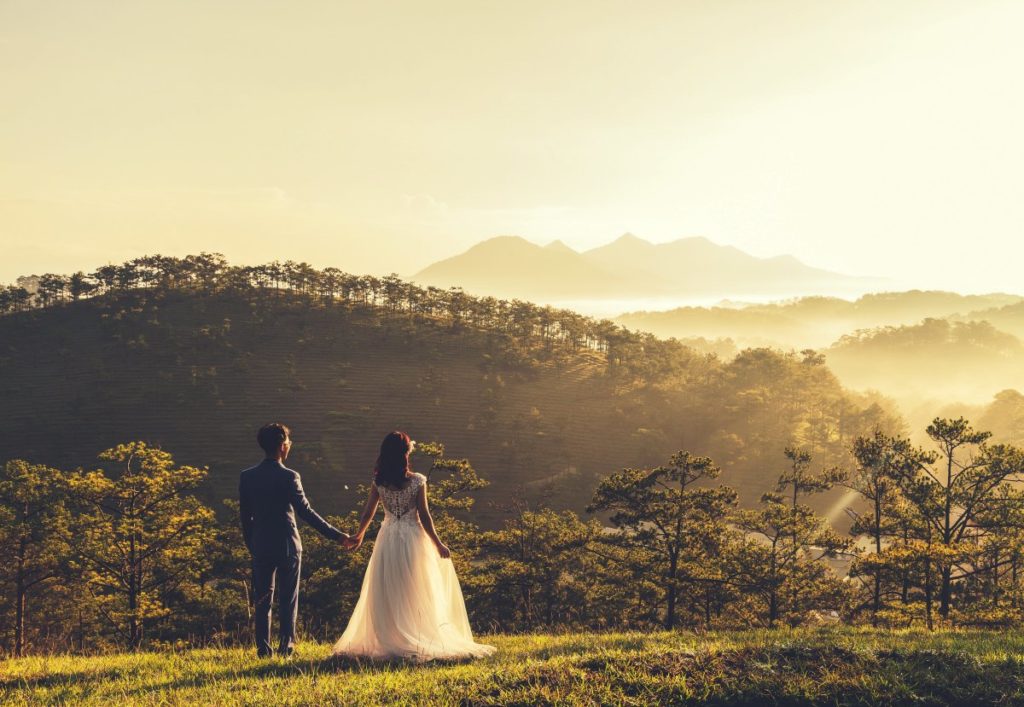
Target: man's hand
pixel 350 543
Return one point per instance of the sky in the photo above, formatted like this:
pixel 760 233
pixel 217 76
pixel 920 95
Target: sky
pixel 868 137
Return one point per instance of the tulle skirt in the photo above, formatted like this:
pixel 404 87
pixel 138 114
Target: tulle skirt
pixel 411 604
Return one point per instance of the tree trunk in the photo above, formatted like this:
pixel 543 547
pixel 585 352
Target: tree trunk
pixel 905 571
pixel 996 589
pixel 877 598
pixel 947 570
pixel 773 600
pixel 134 633
pixel 928 593
pixel 670 610
pixel 19 603
pixel 1013 581
pixel 947 589
pixel 877 601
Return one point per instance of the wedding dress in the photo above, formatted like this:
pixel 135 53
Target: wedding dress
pixel 410 604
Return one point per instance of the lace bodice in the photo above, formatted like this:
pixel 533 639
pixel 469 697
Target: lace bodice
pixel 400 504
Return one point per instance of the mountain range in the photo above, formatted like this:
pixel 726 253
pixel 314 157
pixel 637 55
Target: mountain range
pixel 629 267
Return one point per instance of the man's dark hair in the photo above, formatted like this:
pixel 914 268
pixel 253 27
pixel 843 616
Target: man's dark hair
pixel 271 436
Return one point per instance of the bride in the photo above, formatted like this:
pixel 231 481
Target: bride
pixel 411 604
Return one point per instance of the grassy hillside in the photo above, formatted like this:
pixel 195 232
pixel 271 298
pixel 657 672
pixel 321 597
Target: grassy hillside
pixel 828 667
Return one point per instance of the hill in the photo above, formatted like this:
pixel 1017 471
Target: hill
pixel 816 322
pixel 542 402
pixel 755 668
pixel 935 359
pixel 629 267
pixel 1008 317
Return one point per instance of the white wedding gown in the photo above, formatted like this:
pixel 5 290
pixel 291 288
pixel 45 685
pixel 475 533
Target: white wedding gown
pixel 410 605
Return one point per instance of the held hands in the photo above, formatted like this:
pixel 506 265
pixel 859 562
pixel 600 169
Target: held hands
pixel 351 542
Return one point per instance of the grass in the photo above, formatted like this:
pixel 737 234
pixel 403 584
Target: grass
pixel 825 667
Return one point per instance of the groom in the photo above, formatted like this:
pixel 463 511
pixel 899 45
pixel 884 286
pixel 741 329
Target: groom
pixel 270 494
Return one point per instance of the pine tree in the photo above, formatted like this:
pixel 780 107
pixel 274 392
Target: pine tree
pixel 676 526
pixel 34 529
pixel 140 534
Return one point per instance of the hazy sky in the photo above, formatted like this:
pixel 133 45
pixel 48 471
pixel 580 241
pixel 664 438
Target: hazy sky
pixel 869 137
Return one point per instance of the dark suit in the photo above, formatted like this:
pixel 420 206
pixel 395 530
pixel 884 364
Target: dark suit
pixel 270 495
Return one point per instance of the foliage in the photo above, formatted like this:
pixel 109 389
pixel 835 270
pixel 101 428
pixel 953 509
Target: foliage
pixel 140 538
pixel 537 572
pixel 943 534
pixel 779 559
pixel 945 527
pixel 674 530
pixel 34 529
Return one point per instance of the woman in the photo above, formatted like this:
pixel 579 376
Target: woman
pixel 411 604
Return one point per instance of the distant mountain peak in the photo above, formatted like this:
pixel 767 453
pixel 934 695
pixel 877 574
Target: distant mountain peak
pixel 560 247
pixel 625 245
pixel 504 240
pixel 629 238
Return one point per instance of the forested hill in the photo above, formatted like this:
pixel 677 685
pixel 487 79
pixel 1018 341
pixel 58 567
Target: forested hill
pixel 819 322
pixel 543 402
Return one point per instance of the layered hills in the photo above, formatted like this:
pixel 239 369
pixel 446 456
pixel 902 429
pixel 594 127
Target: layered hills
pixel 815 322
pixel 925 349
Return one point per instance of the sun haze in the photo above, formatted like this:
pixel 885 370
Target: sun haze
pixel 872 138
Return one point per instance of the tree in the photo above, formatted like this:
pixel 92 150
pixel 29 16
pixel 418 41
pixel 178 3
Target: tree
pixel 1005 417
pixel 882 462
pixel 537 564
pixel 14 299
pixel 141 534
pixel 35 530
pixel 663 511
pixel 51 289
pixel 79 286
pixel 949 498
pixel 780 560
pixel 949 519
pixel 213 602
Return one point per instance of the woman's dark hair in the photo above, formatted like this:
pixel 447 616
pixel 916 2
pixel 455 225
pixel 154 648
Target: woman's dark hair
pixel 393 462
pixel 271 436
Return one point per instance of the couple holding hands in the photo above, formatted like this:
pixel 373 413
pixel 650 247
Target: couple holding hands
pixel 410 604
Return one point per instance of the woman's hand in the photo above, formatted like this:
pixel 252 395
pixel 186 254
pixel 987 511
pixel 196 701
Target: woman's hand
pixel 443 550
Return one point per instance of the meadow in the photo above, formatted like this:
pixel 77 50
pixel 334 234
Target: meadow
pixel 826 666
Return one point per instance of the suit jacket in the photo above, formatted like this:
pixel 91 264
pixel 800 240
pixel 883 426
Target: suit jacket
pixel 270 495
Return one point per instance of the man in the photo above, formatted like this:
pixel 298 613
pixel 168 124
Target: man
pixel 270 495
